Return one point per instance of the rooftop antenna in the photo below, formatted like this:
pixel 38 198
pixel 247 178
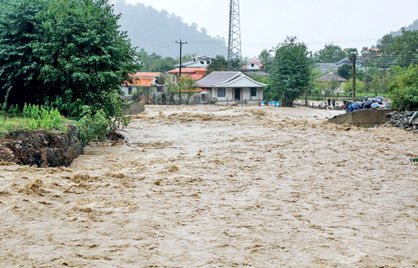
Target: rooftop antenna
pixel 234 38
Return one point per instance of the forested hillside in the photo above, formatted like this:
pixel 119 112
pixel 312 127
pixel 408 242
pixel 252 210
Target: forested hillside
pixel 412 27
pixel 156 31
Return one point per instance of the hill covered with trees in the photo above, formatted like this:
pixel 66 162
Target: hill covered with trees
pixel 156 31
pixel 412 27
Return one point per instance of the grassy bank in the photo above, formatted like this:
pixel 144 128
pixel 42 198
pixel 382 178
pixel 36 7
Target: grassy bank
pixel 9 124
pixel 32 117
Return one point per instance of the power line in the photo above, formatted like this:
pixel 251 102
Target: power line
pixel 181 43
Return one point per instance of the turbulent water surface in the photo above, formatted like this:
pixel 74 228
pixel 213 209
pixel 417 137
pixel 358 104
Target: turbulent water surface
pixel 220 186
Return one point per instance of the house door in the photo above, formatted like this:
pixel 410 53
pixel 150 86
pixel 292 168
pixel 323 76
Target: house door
pixel 237 94
pixel 204 97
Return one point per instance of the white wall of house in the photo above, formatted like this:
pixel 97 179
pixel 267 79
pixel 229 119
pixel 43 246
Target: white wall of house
pixel 125 90
pixel 246 94
pixel 134 89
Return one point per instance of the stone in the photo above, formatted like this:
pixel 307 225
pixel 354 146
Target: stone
pixel 41 147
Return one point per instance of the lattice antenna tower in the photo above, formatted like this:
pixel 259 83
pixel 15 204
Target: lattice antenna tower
pixel 234 38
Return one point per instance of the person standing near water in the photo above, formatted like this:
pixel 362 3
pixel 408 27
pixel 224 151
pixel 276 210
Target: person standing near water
pixel 333 102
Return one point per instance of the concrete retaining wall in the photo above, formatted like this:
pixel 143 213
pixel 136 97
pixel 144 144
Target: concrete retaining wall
pixel 362 118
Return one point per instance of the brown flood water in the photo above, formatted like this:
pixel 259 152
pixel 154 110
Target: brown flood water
pixel 220 186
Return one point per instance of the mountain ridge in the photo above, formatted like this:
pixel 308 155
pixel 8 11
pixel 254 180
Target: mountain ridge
pixel 411 27
pixel 156 32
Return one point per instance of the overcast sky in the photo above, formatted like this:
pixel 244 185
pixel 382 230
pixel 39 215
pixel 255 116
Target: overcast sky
pixel 265 23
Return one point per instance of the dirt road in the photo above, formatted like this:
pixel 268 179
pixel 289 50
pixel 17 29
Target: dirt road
pixel 220 186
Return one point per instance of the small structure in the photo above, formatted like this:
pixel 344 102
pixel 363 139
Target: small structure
pixel 193 73
pixel 254 67
pixel 253 64
pixel 331 77
pixel 144 83
pixel 231 87
pixel 334 82
pixel 326 67
pixel 197 62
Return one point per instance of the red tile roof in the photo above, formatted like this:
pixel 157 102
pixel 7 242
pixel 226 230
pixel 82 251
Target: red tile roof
pixel 188 70
pixel 144 74
pixel 143 82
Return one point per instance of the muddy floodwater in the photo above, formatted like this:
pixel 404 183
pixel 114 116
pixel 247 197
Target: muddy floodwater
pixel 220 186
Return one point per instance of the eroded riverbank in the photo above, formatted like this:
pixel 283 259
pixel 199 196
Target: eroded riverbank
pixel 220 186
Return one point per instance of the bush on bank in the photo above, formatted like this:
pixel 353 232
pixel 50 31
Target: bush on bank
pixel 403 90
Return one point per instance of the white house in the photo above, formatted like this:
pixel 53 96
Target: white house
pixel 145 84
pixel 230 87
pixel 253 64
pixel 196 62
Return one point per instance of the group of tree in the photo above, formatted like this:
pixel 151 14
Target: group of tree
pixel 390 70
pixel 155 63
pixel 65 53
pixel 219 63
pixel 401 50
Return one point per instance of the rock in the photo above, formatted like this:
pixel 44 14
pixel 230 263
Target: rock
pixel 41 148
pixel 407 120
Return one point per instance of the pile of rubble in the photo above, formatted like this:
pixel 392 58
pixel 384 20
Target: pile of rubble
pixel 405 120
pixel 366 103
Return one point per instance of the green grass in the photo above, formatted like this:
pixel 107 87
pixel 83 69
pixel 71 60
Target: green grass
pixel 10 124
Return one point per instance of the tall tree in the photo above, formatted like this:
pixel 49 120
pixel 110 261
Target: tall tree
pixel 74 53
pixel 219 63
pixel 405 48
pixel 329 54
pixel 291 72
pixel 266 60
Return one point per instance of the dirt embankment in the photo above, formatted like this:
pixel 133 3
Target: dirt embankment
pixel 41 148
pixel 220 186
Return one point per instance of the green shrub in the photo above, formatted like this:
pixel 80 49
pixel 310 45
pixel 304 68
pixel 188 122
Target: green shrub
pixel 41 117
pixel 403 91
pixel 44 119
pixel 92 126
pixel 13 110
pixel 115 112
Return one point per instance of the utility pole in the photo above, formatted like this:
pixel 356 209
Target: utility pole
pixel 353 59
pixel 181 43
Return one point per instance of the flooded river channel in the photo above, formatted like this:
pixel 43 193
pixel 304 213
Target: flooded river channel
pixel 220 186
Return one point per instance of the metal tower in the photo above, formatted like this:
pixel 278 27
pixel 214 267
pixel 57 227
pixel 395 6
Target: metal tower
pixel 234 39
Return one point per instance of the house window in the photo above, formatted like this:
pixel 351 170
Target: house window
pixel 253 92
pixel 221 92
pixel 129 90
pixel 252 64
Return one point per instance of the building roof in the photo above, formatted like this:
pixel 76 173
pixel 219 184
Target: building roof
pixel 144 74
pixel 256 72
pixel 143 82
pixel 196 77
pixel 255 61
pixel 188 70
pixel 196 62
pixel 330 77
pixel 228 79
pixel 253 64
pixel 142 79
